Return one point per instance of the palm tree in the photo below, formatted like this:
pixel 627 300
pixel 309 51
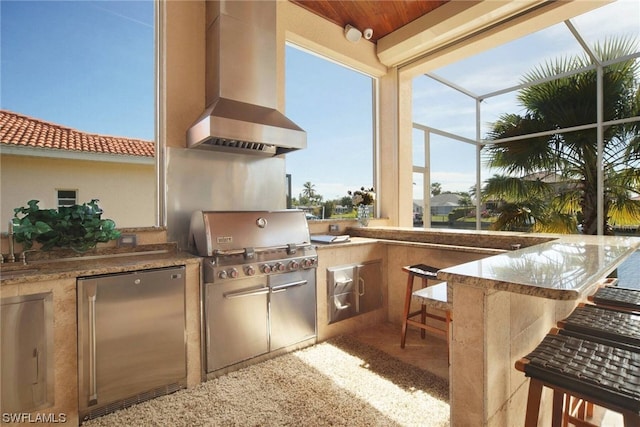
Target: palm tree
pixel 309 190
pixel 561 103
pixel 436 188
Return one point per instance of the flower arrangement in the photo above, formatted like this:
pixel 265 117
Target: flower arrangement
pixel 364 196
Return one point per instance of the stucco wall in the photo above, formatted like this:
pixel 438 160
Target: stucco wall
pixel 111 183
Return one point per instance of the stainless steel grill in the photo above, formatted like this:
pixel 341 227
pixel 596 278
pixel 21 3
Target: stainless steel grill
pixel 259 272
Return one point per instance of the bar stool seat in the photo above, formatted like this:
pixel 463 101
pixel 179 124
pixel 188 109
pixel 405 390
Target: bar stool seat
pixel 614 326
pixel 605 375
pixel 619 298
pixel 429 296
pixel 604 325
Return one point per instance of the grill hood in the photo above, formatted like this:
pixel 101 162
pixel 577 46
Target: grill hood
pixel 241 84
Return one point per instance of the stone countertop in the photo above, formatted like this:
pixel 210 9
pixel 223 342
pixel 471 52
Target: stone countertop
pixel 463 238
pixel 353 241
pixel 555 266
pixel 64 268
pixel 356 241
pixel 562 269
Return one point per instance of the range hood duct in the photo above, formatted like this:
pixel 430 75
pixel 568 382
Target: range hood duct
pixel 241 84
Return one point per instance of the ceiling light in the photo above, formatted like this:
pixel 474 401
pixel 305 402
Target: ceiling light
pixel 352 34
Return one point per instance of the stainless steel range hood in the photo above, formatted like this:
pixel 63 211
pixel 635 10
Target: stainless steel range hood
pixel 241 84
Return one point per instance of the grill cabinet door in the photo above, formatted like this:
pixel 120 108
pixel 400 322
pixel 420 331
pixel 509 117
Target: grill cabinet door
pixel 292 307
pixel 236 314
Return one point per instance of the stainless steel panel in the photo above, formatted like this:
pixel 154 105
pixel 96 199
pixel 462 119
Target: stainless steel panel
pixel 292 307
pixel 131 333
pixel 241 83
pixel 26 353
pixel 241 53
pixel 201 180
pixel 236 321
pixel 341 298
pixel 353 289
pixel 369 286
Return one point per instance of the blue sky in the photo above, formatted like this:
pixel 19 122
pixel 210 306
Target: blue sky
pixel 334 106
pixel 103 83
pixel 86 65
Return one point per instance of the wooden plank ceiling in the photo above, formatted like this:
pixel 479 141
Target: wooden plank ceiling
pixel 383 16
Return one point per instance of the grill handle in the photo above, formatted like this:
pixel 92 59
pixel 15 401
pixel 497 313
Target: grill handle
pixel 286 286
pixel 240 294
pixel 290 248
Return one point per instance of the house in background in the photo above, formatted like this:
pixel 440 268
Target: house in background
pixel 441 204
pixel 61 166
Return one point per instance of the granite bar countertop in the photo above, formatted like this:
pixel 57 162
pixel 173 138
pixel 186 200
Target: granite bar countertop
pixel 555 266
pixel 463 238
pixel 563 269
pixel 357 241
pixel 44 266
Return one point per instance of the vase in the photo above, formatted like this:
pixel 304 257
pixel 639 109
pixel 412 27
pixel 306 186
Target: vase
pixel 364 211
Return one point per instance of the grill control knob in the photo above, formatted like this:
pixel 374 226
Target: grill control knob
pixel 233 273
pixel 266 269
pixel 308 262
pixel 294 265
pixel 222 274
pixel 250 271
pixel 279 267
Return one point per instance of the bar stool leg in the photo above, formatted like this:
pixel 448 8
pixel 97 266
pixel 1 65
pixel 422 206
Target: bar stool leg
pixel 631 419
pixel 423 313
pixel 447 315
pixel 533 403
pixel 407 307
pixel 423 319
pixel 557 408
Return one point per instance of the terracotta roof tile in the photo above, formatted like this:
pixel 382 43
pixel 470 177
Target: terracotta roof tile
pixel 20 130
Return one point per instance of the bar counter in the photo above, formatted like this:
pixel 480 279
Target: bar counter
pixel 503 306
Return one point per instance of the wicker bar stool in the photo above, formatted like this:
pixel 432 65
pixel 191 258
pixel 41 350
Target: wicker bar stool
pixel 429 296
pixel 604 325
pixel 613 327
pixel 589 370
pixel 617 298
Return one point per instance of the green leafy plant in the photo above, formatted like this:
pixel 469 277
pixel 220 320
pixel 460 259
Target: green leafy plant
pixel 79 227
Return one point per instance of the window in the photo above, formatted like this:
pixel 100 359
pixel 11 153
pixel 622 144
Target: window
pixel 77 69
pixel 67 198
pixel 523 131
pixel 335 106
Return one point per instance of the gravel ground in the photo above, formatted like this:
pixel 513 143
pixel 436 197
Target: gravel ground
pixel 336 383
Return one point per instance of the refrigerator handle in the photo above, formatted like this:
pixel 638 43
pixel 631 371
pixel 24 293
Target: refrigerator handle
pixel 93 387
pixel 36 361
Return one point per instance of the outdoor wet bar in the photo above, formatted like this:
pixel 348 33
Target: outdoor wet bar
pixel 505 304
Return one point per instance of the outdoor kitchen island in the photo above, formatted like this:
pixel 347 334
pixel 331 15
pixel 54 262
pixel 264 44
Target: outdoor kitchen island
pixel 503 305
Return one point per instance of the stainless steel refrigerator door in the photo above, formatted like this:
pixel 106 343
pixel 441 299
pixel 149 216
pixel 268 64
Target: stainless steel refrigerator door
pixel 131 333
pixel 236 321
pixel 292 307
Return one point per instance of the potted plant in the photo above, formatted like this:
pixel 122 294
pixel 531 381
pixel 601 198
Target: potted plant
pixel 79 227
pixel 362 200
